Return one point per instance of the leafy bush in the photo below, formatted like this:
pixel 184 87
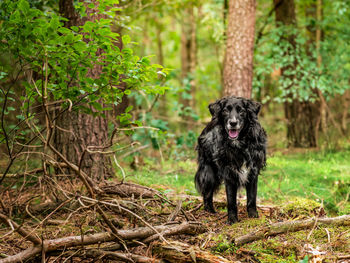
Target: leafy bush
pixel 44 60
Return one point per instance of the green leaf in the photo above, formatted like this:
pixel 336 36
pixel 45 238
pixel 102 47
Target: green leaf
pixel 126 39
pixel 129 108
pixel 64 30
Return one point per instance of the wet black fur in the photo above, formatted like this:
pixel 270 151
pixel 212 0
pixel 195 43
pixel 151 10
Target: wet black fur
pixel 221 158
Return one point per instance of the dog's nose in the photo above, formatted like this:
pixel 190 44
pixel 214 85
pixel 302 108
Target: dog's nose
pixel 233 123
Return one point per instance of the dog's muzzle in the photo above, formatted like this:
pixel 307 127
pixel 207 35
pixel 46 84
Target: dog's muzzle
pixel 233 129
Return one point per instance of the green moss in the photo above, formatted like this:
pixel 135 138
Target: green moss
pixel 222 244
pixel 301 207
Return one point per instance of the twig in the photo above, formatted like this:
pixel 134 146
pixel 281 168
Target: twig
pixel 312 230
pixel 174 214
pixel 134 150
pixel 120 168
pixel 328 235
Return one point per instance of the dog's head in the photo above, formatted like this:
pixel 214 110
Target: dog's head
pixel 235 114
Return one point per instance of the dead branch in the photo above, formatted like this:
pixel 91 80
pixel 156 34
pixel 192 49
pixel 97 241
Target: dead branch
pixel 290 226
pixel 20 230
pixel 127 257
pixel 176 211
pixel 73 241
pixel 180 253
pixel 129 189
pixel 103 254
pixel 176 230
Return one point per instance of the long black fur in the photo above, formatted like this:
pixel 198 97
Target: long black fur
pixel 225 157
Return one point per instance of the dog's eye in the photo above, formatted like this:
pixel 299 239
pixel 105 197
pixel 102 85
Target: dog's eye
pixel 238 109
pixel 228 108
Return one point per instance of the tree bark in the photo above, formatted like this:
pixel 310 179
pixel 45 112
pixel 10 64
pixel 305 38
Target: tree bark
pixel 301 116
pixel 238 65
pixel 76 131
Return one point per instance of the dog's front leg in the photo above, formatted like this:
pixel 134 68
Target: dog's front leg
pixel 252 187
pixel 231 195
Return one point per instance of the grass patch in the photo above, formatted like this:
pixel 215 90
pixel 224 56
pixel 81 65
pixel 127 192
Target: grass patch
pixel 320 176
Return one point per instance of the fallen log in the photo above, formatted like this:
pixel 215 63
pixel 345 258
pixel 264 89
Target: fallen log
pixel 73 241
pixel 290 226
pixel 181 253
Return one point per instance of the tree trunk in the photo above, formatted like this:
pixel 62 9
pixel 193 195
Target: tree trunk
pixel 323 112
pixel 301 115
pixel 189 54
pixel 76 131
pixel 314 10
pixel 238 66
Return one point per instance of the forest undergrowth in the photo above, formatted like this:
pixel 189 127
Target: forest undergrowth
pixel 167 222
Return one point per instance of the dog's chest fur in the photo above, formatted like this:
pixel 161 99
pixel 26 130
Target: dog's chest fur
pixel 228 155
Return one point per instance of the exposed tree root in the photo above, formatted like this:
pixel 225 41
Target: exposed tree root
pixel 290 226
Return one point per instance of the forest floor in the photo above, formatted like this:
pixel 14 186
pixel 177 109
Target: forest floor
pixel 297 195
pixel 214 241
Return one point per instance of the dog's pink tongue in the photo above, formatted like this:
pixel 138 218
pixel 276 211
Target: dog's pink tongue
pixel 233 133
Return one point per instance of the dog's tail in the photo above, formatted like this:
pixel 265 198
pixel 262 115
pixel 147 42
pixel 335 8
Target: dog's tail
pixel 206 181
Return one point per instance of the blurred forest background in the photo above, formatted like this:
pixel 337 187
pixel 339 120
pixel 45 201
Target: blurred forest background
pixel 118 91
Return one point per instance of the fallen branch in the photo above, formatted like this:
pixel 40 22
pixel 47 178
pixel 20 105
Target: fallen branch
pixel 100 254
pixel 180 253
pixel 290 226
pixel 176 230
pixel 73 241
pixel 20 230
pixel 129 189
pixel 128 257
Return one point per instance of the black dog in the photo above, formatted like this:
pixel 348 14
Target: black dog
pixel 231 148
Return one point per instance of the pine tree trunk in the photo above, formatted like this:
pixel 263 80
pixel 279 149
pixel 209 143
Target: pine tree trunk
pixel 238 65
pixel 76 131
pixel 301 116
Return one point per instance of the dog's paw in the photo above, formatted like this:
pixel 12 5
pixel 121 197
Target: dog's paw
pixel 232 220
pixel 252 213
pixel 210 209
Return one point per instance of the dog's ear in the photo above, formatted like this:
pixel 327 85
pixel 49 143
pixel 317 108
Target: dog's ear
pixel 253 106
pixel 215 107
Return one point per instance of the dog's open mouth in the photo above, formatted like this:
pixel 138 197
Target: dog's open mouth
pixel 233 134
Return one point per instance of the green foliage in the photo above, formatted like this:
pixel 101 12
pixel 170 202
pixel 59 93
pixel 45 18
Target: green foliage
pixel 302 74
pixel 63 61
